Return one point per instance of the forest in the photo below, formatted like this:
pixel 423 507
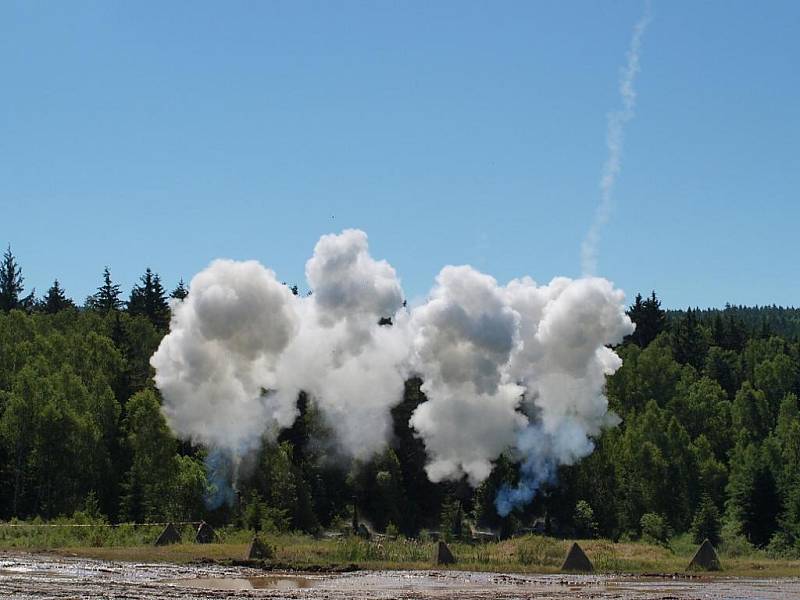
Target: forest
pixel 708 442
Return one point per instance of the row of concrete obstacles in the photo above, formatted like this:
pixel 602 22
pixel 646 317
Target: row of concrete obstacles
pixel 705 559
pixel 170 535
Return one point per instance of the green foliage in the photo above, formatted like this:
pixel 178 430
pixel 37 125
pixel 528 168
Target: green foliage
pixel 255 512
pixel 180 292
pixel 734 543
pixel 585 525
pixel 706 523
pixel 56 300
pixel 107 297
pixel 649 318
pixel 392 531
pixel 11 285
pixel 451 520
pixel 149 492
pixel 753 496
pixel 690 341
pixel 149 300
pixel 655 529
pixel 707 400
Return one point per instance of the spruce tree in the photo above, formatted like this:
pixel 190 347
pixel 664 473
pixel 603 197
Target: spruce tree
pixel 689 344
pixel 56 299
pixel 148 299
pixel 180 292
pixel 11 284
pixel 106 299
pixel 649 318
pixel 707 524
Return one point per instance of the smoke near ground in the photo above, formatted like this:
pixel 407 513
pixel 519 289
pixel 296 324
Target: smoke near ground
pixel 516 368
pixel 562 363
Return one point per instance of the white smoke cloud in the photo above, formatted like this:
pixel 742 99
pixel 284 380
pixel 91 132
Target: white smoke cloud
pixel 614 142
pixel 463 339
pixel 220 356
pixel 240 333
pixel 513 369
pixel 519 368
pixel 563 362
pixel 349 364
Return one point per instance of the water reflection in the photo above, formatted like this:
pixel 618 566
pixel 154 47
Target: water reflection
pixel 267 582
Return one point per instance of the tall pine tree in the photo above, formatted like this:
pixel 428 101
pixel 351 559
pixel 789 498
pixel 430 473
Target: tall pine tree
pixel 149 299
pixel 11 285
pixel 649 318
pixel 107 297
pixel 56 299
pixel 180 292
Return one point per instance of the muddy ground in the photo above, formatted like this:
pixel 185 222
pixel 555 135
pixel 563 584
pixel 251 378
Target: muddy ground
pixel 42 576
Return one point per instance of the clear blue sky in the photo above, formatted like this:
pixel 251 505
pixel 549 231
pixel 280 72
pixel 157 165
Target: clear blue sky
pixel 166 134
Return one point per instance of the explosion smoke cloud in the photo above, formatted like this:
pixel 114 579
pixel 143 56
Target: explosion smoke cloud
pixel 515 369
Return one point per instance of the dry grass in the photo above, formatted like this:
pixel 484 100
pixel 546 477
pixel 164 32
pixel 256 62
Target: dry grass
pixel 529 554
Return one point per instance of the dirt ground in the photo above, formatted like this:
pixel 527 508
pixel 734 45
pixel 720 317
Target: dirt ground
pixel 43 576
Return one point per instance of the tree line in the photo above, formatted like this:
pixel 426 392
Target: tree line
pixel 709 439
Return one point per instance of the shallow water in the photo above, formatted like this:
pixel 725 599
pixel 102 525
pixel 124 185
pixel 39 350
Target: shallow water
pixel 266 582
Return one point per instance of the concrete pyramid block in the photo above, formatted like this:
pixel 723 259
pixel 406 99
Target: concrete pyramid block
pixel 442 554
pixel 576 560
pixel 705 559
pixel 169 535
pixel 205 534
pixel 258 550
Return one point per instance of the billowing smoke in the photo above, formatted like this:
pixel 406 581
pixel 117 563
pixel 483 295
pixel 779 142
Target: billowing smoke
pixel 217 367
pixel 519 368
pixel 463 340
pixel 515 369
pixel 562 363
pixel 241 347
pixel 614 139
pixel 352 367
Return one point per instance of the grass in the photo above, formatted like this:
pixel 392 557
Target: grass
pixel 527 554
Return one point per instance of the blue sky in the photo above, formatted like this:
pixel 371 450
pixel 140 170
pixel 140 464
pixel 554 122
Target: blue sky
pixel 166 134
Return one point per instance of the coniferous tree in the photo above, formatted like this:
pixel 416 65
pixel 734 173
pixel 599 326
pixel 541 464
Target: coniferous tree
pixel 159 305
pixel 56 299
pixel 689 345
pixel 148 299
pixel 180 292
pixel 753 497
pixel 649 318
pixel 11 288
pixel 107 297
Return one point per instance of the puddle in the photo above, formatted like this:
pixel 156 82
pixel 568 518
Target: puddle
pixel 16 571
pixel 267 582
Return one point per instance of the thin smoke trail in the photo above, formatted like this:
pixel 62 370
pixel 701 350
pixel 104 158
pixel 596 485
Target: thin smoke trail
pixel 614 140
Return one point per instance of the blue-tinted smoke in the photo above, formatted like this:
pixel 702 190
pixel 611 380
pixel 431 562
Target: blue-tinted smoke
pixel 544 452
pixel 220 470
pixel 508 498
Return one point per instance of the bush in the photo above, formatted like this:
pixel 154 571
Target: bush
pixel 734 543
pixel 655 529
pixel 392 531
pixel 706 523
pixel 780 547
pixel 585 525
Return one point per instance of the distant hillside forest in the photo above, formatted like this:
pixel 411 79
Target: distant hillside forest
pixel 709 440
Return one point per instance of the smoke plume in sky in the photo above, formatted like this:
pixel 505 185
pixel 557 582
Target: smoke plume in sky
pixel 516 368
pixel 614 141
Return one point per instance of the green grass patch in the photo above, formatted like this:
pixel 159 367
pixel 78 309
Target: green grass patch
pixel 526 554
